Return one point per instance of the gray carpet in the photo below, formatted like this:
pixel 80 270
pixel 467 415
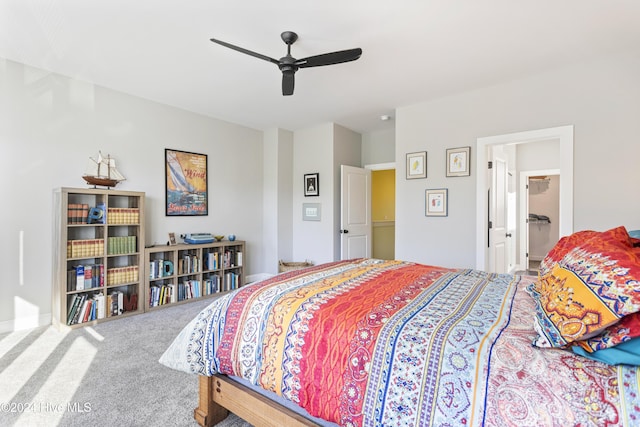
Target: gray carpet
pixel 106 375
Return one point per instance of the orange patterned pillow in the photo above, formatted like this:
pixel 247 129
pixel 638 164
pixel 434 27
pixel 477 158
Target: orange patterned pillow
pixel 567 243
pixel 592 287
pixel 563 246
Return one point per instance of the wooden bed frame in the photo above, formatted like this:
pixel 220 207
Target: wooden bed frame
pixel 219 395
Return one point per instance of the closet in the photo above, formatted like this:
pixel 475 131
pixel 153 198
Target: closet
pixel 543 217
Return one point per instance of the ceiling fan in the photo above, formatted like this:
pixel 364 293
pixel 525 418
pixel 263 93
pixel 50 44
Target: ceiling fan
pixel 289 65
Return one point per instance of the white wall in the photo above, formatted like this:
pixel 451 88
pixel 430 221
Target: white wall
pixel 600 98
pixel 539 155
pixel 379 146
pixel 50 124
pixel 313 152
pixel 321 149
pixel 278 208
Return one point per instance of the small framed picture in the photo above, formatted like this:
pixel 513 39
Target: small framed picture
pixel 311 184
pixel 436 202
pixel 172 239
pixel 458 161
pixel 417 165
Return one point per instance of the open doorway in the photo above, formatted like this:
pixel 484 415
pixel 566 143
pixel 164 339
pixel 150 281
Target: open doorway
pixel 383 205
pixel 539 216
pixel 563 136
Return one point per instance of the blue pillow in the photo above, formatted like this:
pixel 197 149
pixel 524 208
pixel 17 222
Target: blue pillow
pixel 635 233
pixel 625 353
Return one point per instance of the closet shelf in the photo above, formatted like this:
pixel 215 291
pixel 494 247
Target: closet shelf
pixel 539 179
pixel 538 219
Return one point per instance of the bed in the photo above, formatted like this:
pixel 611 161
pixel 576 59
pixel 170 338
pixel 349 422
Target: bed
pixel 391 343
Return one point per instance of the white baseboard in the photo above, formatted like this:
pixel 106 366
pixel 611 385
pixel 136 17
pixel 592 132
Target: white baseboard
pixel 22 323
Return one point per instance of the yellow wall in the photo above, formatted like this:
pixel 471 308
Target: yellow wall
pixel 383 195
pixel 383 205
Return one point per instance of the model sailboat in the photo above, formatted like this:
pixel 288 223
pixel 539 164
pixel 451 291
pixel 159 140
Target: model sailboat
pixel 101 171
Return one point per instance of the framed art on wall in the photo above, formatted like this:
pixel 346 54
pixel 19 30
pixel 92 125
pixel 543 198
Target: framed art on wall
pixel 185 183
pixel 458 161
pixel 417 165
pixel 436 203
pixel 311 184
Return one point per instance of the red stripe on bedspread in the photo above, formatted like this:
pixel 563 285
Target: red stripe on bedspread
pixel 236 312
pixel 341 337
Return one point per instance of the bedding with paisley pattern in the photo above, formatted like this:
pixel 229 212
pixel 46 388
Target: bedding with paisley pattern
pixel 390 343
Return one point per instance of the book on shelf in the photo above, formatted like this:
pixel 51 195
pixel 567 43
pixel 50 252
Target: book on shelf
pixel 188 264
pixel 88 276
pixel 86 311
pixel 231 281
pixel 159 268
pixel 161 295
pixel 84 308
pixel 100 306
pixel 212 261
pixel 119 245
pixel 115 302
pixel 122 275
pixel 71 213
pixel 85 248
pixel 85 276
pixel 117 216
pixel 153 291
pixel 232 258
pixel 212 285
pixel 77 213
pixel 81 305
pixel 173 297
pixel 73 308
pixel 84 213
pixel 79 277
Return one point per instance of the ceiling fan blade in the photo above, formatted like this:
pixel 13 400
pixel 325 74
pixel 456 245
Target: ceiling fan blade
pixel 288 82
pixel 246 51
pixel 329 58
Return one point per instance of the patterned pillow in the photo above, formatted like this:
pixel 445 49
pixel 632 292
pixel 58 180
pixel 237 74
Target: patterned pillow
pixel 592 287
pixel 563 246
pixel 627 328
pixel 567 243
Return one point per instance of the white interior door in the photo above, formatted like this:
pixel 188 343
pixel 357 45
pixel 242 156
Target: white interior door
pixel 355 217
pixel 499 236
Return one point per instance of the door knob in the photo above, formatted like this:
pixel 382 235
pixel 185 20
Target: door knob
pixel 508 235
pixel 344 231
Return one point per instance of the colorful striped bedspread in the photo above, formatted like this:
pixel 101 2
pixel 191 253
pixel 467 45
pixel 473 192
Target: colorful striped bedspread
pixel 391 343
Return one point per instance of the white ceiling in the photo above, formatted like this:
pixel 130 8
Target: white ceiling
pixel 413 50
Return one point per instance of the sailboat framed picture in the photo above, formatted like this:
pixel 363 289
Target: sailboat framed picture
pixel 185 183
